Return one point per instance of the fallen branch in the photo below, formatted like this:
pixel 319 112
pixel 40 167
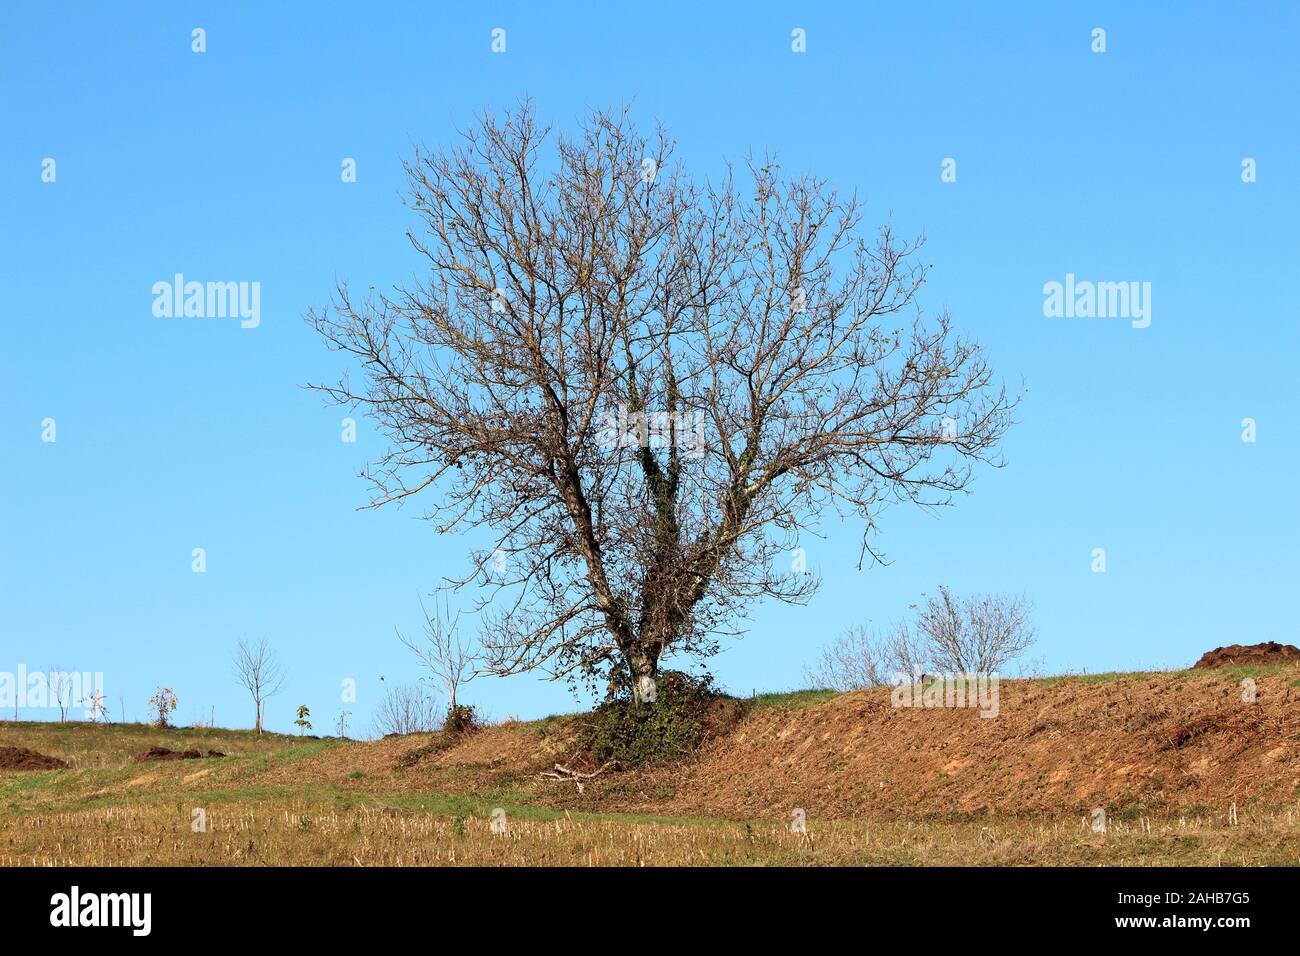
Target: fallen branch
pixel 578 777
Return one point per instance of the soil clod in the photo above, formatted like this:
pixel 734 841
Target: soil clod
pixel 20 758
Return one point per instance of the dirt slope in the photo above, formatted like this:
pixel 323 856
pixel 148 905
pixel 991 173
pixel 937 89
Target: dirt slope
pixel 1153 741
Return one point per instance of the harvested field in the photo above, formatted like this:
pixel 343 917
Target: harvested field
pixel 1189 766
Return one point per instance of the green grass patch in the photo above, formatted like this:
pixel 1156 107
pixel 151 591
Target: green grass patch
pixel 1102 678
pixel 792 699
pixel 1235 674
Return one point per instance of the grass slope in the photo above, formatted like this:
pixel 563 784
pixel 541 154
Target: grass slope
pixel 1167 754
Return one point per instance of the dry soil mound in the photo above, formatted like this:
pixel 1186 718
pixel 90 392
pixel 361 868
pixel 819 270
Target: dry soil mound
pixel 20 758
pixel 1239 655
pixel 162 753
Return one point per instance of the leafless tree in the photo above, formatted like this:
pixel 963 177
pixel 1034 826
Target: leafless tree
pixel 647 386
pixel 853 661
pixel 259 671
pixel 975 635
pixel 405 709
pixel 450 658
pixel 95 706
pixel 60 685
pixel 908 655
pixel 861 658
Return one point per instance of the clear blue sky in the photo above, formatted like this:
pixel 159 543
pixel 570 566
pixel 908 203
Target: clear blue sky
pixel 175 434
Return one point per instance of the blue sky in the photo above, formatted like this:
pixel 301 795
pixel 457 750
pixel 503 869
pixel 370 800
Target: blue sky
pixel 178 433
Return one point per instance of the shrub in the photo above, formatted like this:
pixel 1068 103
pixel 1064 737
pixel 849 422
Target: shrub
pixel 405 709
pixel 861 658
pixel 460 719
pixel 978 634
pixel 163 703
pixel 974 635
pixel 688 712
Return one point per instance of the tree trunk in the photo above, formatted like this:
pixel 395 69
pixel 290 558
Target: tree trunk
pixel 643 667
pixel 645 689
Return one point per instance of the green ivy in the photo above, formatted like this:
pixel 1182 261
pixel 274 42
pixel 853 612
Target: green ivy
pixel 687 712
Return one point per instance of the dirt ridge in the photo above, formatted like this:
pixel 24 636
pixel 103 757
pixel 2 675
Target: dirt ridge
pixel 1154 742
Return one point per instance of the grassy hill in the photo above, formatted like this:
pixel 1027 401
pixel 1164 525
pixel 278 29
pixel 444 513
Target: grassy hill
pixel 1174 758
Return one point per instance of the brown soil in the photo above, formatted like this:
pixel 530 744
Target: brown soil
pixel 1151 741
pixel 1146 742
pixel 1240 655
pixel 20 758
pixel 162 753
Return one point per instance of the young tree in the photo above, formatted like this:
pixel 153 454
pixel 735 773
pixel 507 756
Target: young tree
pixel 975 635
pixel 908 654
pixel 163 703
pixel 96 709
pixel 449 657
pixel 860 658
pixel 853 661
pixel 61 690
pixel 259 671
pixel 647 386
pixel 405 709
